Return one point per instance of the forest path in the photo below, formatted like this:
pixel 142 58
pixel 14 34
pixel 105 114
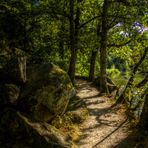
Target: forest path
pixel 106 127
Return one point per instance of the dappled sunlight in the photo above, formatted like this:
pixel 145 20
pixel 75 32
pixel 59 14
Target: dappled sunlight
pixel 78 69
pixel 106 125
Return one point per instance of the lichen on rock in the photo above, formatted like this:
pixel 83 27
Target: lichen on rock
pixel 27 111
pixel 47 91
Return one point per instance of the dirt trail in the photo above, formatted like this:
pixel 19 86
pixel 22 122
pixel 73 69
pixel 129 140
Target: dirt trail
pixel 105 127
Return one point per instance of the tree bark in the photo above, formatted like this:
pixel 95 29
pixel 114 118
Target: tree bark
pixel 92 65
pixel 144 116
pixel 131 79
pixel 103 49
pixel 74 30
pixel 61 40
pixel 72 66
pixel 143 82
pixel 71 70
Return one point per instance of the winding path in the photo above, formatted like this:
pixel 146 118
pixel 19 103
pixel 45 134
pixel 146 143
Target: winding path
pixel 105 127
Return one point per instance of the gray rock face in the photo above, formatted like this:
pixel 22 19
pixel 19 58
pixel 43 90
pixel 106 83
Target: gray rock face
pixel 48 91
pixel 46 134
pixel 45 95
pixel 18 131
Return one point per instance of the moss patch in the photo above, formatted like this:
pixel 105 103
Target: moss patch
pixel 69 122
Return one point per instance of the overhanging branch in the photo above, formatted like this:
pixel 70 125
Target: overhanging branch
pixel 82 25
pixel 119 45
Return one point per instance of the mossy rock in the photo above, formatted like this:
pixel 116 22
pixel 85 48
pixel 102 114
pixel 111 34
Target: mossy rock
pixel 17 130
pixel 47 92
pixel 45 134
pixel 70 121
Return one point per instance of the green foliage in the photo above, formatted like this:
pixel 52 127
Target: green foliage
pixel 113 72
pixel 65 120
pixel 65 124
pixel 42 30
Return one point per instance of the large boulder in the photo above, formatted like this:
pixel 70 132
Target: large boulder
pixel 27 110
pixel 45 134
pixel 18 131
pixel 47 92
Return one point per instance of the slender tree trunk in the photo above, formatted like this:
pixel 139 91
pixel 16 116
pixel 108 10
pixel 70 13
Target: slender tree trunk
pixel 144 116
pixel 103 49
pixel 72 66
pixel 143 82
pixel 25 35
pixel 131 79
pixel 92 65
pixel 71 70
pixel 74 25
pixel 77 23
pixel 61 40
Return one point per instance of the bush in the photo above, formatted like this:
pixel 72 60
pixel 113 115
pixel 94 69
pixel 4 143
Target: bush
pixel 113 72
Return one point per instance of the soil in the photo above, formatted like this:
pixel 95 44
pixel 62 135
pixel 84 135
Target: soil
pixel 106 127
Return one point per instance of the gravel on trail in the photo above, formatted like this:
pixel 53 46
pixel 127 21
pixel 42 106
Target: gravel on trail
pixel 106 127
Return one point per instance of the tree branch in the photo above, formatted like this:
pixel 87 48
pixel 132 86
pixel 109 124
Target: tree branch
pixel 119 45
pixel 143 82
pixel 130 81
pixel 82 25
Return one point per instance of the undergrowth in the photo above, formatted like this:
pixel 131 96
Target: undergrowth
pixel 68 124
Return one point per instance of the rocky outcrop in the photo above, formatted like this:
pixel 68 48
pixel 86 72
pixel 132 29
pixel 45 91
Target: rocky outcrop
pixel 27 110
pixel 47 92
pixel 17 130
pixel 45 133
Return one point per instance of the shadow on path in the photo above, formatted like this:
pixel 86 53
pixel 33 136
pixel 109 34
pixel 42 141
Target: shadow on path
pixel 105 126
pixel 110 133
pixel 137 139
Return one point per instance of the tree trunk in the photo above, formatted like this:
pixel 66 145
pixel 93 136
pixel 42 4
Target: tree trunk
pixel 92 65
pixel 103 49
pixel 71 70
pixel 74 25
pixel 131 79
pixel 25 36
pixel 61 40
pixel 72 66
pixel 144 116
pixel 143 82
